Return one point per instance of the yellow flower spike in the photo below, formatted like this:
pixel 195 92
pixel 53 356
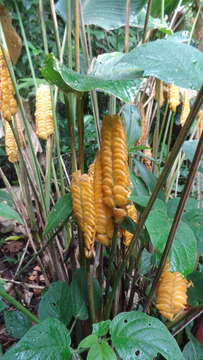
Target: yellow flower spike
pixel 114 159
pixel 132 213
pixel 185 108
pixel 173 96
pixel 10 143
pixel 8 105
pixel 104 222
pixel 171 294
pixel 43 113
pixel 76 198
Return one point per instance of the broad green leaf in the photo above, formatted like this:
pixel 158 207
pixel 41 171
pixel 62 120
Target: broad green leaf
pixel 70 81
pixel 193 350
pixel 172 205
pixel 17 323
pixel 88 341
pixel 101 328
pixel 101 351
pixel 6 197
pixel 145 263
pixel 79 294
pixel 131 121
pixel 184 249
pixel 48 340
pixel 60 213
pixel 128 224
pixel 195 292
pixel 146 175
pixel 56 303
pixel 194 218
pixel 189 148
pixel 108 14
pixel 170 61
pixel 8 212
pixel 136 335
pixel 138 186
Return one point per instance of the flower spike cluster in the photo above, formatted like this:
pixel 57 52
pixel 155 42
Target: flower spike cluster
pixel 43 113
pixel 171 295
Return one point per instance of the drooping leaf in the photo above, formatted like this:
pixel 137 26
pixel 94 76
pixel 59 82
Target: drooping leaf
pixel 48 340
pixel 129 225
pixel 195 292
pixel 131 120
pixel 184 249
pixel 107 14
pixel 101 351
pixel 136 335
pixel 170 61
pixel 101 328
pixel 60 213
pixel 71 81
pixel 193 350
pixel 8 212
pixel 79 295
pixel 189 148
pixel 56 303
pixel 17 323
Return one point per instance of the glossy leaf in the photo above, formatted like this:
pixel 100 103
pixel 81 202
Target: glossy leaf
pixel 6 197
pixel 107 14
pixel 193 350
pixel 194 218
pixel 60 213
pixel 136 335
pixel 8 212
pixel 101 328
pixel 129 225
pixel 48 340
pixel 88 341
pixel 56 303
pixel 131 121
pixel 184 249
pixel 17 323
pixel 168 60
pixel 195 292
pixel 101 351
pixel 70 81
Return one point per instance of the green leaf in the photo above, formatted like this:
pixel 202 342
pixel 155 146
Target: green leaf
pixel 107 14
pixel 136 335
pixel 131 121
pixel 56 303
pixel 189 148
pixel 2 305
pixel 195 292
pixel 193 350
pixel 6 197
pixel 138 186
pixel 59 214
pixel 70 81
pixel 129 225
pixel 169 6
pixel 88 341
pixel 101 351
pixel 79 295
pixel 146 175
pixel 48 340
pixel 17 323
pixel 8 212
pixel 145 262
pixel 184 249
pixel 101 328
pixel 172 205
pixel 194 218
pixel 168 60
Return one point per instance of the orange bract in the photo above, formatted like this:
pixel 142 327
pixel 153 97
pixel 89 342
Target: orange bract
pixel 171 295
pixel 185 108
pixel 173 96
pixel 43 113
pixel 132 213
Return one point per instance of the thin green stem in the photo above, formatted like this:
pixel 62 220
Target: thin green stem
pixel 149 5
pixel 43 26
pixel 162 10
pixel 163 143
pixel 80 124
pixel 90 293
pixel 56 31
pixel 26 44
pixel 194 23
pixel 49 146
pixel 127 17
pixel 68 34
pixel 18 306
pixel 76 35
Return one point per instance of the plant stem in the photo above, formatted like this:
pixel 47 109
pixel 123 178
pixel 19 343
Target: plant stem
pixel 149 4
pixel 18 306
pixel 190 316
pixel 162 10
pixel 177 218
pixel 49 146
pixel 43 26
pixel 194 23
pixel 26 44
pixel 176 148
pixel 68 34
pixel 90 293
pixel 76 36
pixel 80 124
pixel 56 31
